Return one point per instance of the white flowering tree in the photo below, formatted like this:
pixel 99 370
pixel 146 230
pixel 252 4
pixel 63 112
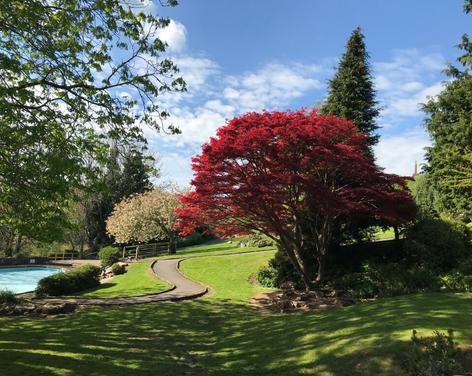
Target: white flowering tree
pixel 144 217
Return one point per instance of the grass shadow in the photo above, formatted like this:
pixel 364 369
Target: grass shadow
pixel 223 337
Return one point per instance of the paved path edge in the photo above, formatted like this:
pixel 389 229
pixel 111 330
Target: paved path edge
pixel 139 299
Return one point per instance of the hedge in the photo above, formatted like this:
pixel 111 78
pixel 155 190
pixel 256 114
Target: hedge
pixel 75 280
pixel 109 256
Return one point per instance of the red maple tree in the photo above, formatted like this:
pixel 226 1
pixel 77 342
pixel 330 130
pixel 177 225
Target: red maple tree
pixel 290 175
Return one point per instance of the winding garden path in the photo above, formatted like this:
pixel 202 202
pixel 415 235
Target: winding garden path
pixel 168 270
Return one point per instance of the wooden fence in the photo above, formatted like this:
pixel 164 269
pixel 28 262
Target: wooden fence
pixel 63 256
pixel 140 251
pixel 130 252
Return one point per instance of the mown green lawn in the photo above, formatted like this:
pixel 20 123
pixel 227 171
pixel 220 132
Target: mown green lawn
pixel 138 280
pixel 223 335
pixel 217 248
pixel 385 234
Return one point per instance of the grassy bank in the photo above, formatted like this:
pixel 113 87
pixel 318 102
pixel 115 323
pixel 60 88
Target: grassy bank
pixel 223 335
pixel 138 280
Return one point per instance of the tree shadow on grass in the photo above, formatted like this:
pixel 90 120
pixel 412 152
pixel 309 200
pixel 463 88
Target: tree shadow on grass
pixel 220 337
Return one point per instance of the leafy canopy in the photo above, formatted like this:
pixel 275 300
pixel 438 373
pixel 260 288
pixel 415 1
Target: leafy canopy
pixel 144 217
pixel 449 123
pixel 73 73
pixel 289 175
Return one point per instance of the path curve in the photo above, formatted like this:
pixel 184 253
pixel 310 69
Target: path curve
pixel 183 288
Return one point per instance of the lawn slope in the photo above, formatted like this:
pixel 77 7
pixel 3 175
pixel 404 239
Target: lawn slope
pixel 138 280
pixel 223 335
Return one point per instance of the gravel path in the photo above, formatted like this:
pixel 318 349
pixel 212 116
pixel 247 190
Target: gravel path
pixel 168 270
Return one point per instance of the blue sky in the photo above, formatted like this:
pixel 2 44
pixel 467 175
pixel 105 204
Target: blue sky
pixel 249 55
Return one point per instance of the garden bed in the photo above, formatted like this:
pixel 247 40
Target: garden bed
pixel 291 300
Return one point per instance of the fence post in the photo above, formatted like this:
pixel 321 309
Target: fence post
pixel 137 252
pixel 124 252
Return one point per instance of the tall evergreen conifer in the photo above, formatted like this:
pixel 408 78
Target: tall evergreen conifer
pixel 449 123
pixel 351 92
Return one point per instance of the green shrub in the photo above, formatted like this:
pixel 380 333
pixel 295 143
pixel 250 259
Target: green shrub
pixel 456 281
pixel 109 255
pixel 279 270
pixel 75 280
pixel 267 276
pixel 387 279
pixel 440 244
pixel 260 241
pixel 194 239
pixel 8 298
pixel 433 356
pixel 118 269
pixel 465 267
pixel 264 243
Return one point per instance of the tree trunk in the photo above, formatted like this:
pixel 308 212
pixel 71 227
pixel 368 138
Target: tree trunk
pixel 72 245
pixel 397 233
pixel 9 246
pixel 18 244
pixel 322 241
pixel 172 248
pixel 299 264
pixel 321 268
pixel 81 249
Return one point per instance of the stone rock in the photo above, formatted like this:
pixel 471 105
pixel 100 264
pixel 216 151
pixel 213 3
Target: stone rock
pixel 288 285
pixel 57 308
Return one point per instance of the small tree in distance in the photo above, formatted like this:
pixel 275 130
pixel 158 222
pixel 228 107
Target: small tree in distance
pixel 290 175
pixel 145 217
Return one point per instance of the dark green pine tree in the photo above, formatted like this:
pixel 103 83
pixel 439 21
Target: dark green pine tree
pixel 135 177
pixel 449 123
pixel 351 93
pixel 126 172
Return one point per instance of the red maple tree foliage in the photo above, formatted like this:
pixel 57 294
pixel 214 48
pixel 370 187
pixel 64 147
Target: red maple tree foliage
pixel 290 175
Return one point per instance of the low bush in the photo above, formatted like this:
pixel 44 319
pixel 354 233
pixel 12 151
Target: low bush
pixel 118 269
pixel 267 276
pixel 109 256
pixel 260 241
pixel 8 298
pixel 279 270
pixel 75 280
pixel 194 239
pixel 456 281
pixel 439 244
pixel 383 280
pixel 433 356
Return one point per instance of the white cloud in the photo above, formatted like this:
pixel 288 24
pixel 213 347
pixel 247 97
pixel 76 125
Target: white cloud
pixel 175 35
pixel 406 81
pixel 272 86
pixel 410 105
pixel 397 154
pixel 176 168
pixel 197 127
pixel 196 71
pixel 213 97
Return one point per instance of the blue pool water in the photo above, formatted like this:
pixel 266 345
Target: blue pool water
pixel 24 279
